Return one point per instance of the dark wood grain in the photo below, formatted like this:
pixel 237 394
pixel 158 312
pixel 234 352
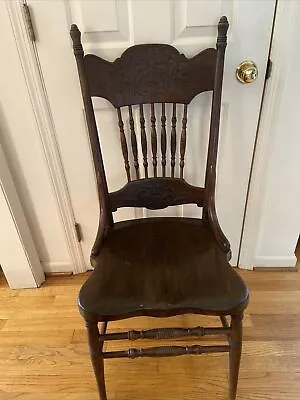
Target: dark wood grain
pixel 156 194
pixel 96 356
pixel 210 175
pixel 155 284
pixel 165 333
pixel 144 140
pixel 123 144
pixel 134 143
pixel 92 126
pixel 163 138
pixel 235 353
pixel 209 210
pixel 165 351
pixel 183 140
pixel 153 140
pixel 173 140
pixel 158 267
pixel 150 73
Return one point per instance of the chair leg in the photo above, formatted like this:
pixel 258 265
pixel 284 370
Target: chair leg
pixel 235 353
pixel 96 355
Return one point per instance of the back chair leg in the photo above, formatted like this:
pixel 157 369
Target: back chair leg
pixel 96 355
pixel 235 353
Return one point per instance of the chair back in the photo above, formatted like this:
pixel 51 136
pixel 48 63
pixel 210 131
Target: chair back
pixel 149 77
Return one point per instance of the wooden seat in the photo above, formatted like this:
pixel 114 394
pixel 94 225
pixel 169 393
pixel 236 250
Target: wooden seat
pixel 139 272
pixel 158 266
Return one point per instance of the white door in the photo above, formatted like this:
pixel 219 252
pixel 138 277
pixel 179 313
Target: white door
pixel 109 27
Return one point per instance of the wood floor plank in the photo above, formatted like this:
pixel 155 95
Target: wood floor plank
pixel 279 302
pixel 42 323
pixel 2 323
pixel 56 338
pixel 273 327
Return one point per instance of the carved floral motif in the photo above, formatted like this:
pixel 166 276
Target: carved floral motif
pixel 150 73
pixel 156 195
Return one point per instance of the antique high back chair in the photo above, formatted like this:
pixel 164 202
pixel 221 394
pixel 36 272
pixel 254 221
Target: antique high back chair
pixel 163 266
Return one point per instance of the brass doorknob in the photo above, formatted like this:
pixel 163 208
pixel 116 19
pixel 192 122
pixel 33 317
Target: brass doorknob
pixel 247 72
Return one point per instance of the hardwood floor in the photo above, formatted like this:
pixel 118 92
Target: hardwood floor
pixel 44 356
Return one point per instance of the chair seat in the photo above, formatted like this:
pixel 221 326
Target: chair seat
pixel 161 267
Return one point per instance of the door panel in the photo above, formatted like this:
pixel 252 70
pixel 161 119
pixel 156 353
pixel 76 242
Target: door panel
pixel 108 28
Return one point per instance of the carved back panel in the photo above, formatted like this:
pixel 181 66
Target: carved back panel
pixel 142 76
pixel 150 73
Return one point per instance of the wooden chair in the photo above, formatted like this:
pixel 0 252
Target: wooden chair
pixel 158 267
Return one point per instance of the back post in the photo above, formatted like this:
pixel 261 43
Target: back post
pixel 210 175
pixel 209 209
pixel 92 128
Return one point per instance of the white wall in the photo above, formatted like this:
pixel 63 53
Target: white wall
pixel 273 217
pixel 23 148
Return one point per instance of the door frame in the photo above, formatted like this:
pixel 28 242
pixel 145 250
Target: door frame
pixel 41 108
pixel 274 113
pixel 46 128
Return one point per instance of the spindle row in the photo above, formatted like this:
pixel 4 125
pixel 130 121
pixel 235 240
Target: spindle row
pixel 153 127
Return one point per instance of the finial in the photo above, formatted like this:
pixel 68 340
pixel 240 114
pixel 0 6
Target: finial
pixel 223 20
pixel 76 39
pixel 223 26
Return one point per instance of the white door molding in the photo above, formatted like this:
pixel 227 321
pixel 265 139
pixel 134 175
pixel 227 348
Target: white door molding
pixel 40 104
pixel 19 258
pixel 274 128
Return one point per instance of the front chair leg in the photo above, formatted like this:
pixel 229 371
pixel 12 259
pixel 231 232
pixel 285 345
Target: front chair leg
pixel 235 353
pixel 96 355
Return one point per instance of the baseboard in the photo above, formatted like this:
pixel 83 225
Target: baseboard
pixel 246 267
pixel 57 274
pixel 276 269
pixel 275 262
pixel 55 267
